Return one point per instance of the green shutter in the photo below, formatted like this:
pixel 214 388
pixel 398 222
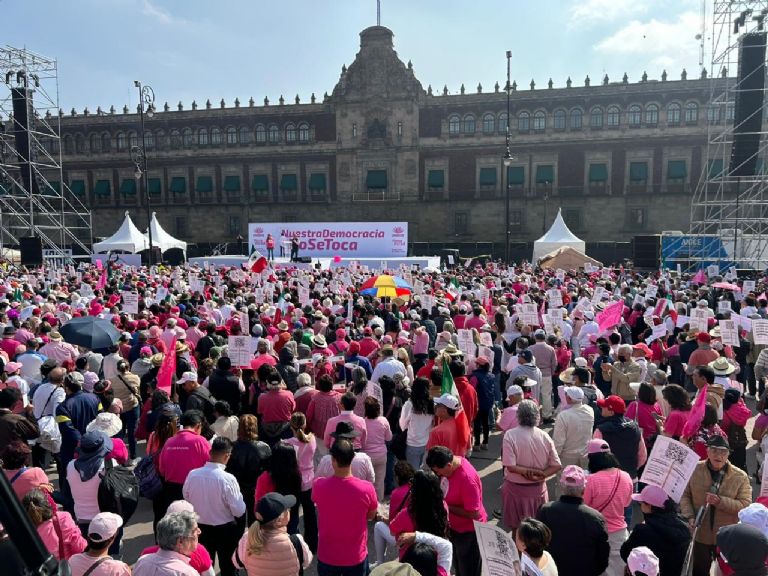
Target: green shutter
pixel 260 183
pixel 53 188
pixel 676 170
pixel 436 179
pixel 179 185
pixel 516 175
pixel 205 184
pixel 77 187
pixel 716 168
pixel 155 187
pixel 638 171
pixel 232 183
pixel 128 187
pixel 289 182
pixel 598 172
pixel 376 179
pixel 487 176
pixel 317 182
pixel 103 188
pixel 545 174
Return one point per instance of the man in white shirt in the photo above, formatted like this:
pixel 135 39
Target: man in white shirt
pixel 217 499
pixel 573 428
pixel 388 365
pixel 31 360
pixel 45 401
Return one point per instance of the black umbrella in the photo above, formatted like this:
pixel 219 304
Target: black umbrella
pixel 90 332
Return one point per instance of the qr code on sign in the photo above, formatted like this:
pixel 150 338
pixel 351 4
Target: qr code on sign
pixel 675 453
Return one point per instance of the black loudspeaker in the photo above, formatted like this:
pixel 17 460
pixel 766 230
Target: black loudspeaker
pixel 749 104
pixel 304 259
pixel 22 113
pixel 31 251
pixel 646 251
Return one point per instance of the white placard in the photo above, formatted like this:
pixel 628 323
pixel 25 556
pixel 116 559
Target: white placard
pixel 639 299
pixel 86 290
pixel 529 314
pixel 650 291
pixel 723 307
pixel 699 320
pixel 729 332
pixel 560 274
pixel 748 286
pixel 597 295
pixel 555 298
pixel 760 331
pixel 239 350
pixel 244 323
pixel 162 293
pixel 486 340
pixel 427 302
pixel 196 285
pixel 130 302
pixel 497 550
pixel 713 270
pixel 658 332
pixel 465 341
pixel 303 295
pixel 670 466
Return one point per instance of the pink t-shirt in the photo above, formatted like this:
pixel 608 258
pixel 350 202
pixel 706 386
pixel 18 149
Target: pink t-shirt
pixel 264 485
pixel 673 426
pixel 645 418
pixel 79 563
pixel 200 559
pixel 305 452
pixel 346 416
pixel 421 342
pixel 31 478
pixel 508 419
pixel 182 454
pixel 396 500
pixel 377 433
pixel 276 406
pixel 343 506
pixel 465 490
pixel 609 492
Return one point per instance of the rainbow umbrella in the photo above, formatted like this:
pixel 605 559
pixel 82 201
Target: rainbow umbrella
pixel 385 286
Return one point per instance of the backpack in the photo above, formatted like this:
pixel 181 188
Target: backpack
pixel 148 478
pixel 118 490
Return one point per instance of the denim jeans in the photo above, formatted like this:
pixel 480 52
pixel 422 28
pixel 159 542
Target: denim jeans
pixel 414 455
pixel 130 420
pixel 324 569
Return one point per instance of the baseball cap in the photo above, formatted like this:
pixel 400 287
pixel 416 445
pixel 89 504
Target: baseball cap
pixel 481 361
pixel 654 496
pixel 615 403
pixel 581 362
pixel 12 367
pixel 539 333
pixel 526 355
pixel 187 377
pixel 448 401
pixel 718 441
pixel 180 506
pixel 271 505
pixel 515 390
pixel 641 559
pixel 597 445
pixel 103 526
pixel 703 337
pixel 573 476
pixel 574 393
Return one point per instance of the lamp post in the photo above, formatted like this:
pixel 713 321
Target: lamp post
pixel 546 207
pixel 506 162
pixel 139 153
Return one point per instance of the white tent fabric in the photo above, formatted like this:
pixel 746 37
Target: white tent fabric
pixel 557 236
pixel 162 239
pixel 128 238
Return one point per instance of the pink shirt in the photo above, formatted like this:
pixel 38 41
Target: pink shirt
pixel 182 454
pixel 421 342
pixel 200 560
pixel 322 407
pixel 466 491
pixel 164 563
pixel 29 479
pixel 303 396
pixel 377 433
pixel 474 322
pixel 645 418
pixel 528 447
pixel 508 419
pixel 305 452
pixel 346 416
pixel 79 563
pixel 262 359
pixel 609 492
pixel 673 425
pixel 72 542
pixel 59 351
pixel 396 499
pixel 343 506
pixel 276 406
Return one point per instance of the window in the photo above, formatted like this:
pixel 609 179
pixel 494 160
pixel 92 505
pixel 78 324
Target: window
pixel 460 222
pixel 652 115
pixel 215 136
pixel 487 179
pixel 106 142
pixel 575 119
pixel 202 137
pixel 234 225
pixel 545 176
pixel 261 134
pixel 133 139
pixel 468 125
pixel 596 118
pixel 614 116
pixel 303 132
pixel 489 124
pixel 676 175
pixel 317 186
pixel 231 135
pixel 516 177
pixel 454 125
pixel 274 134
pixel 290 133
pixel 673 114
pixel 713 114
pixel 95 143
pixel 572 217
pixel 691 113
pixel 181 225
pixel 523 122
pixel 436 180
pixel 503 123
pixel 149 140
pixel 638 176
pixel 80 144
pixel 515 218
pixel 598 174
pixel 635 218
pixel 120 139
pixel 539 121
pixel 175 139
pixel 244 136
pixel 69 144
pixel 558 120
pixel 730 110
pixel 188 137
pixel 635 116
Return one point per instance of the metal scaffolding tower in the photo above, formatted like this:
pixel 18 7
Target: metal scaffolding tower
pixel 34 199
pixel 729 208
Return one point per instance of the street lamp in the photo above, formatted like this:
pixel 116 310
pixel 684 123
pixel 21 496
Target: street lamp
pixel 546 207
pixel 506 163
pixel 139 153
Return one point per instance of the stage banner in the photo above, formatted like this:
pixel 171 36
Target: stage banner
pixel 328 239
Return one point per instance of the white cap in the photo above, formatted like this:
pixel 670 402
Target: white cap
pixel 448 400
pixel 514 390
pixel 187 377
pixel 581 362
pixel 574 393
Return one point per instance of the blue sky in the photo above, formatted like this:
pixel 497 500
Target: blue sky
pixel 195 49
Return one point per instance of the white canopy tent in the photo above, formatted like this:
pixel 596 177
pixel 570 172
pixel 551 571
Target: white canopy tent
pixel 556 237
pixel 128 238
pixel 163 240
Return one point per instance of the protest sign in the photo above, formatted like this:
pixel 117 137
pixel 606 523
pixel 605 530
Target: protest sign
pixel 670 466
pixel 303 295
pixel 529 314
pixel 244 324
pixel 130 302
pixel 760 331
pixel 713 270
pixel 239 351
pixel 610 316
pixel 729 332
pixel 497 550
pixel 658 332
pixel 723 307
pixel 597 295
pixel 466 343
pixel 699 320
pixel 650 291
pixel 555 298
pixel 682 320
pixel 748 286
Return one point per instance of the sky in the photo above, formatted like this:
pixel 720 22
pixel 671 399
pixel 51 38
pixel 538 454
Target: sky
pixel 197 49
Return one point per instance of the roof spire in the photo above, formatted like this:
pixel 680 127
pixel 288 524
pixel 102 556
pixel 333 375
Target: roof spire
pixel 378 12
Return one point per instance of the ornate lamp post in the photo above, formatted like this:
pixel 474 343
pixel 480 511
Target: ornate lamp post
pixel 506 162
pixel 139 153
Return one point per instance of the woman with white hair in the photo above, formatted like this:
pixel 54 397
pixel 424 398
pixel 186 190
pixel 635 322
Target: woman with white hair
pixel 177 535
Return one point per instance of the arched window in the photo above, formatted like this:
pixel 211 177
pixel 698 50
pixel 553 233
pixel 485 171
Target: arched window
pixel 202 137
pixel 614 116
pixel 244 135
pixel 303 132
pixel 133 139
pixel 231 135
pixel 80 144
pixel 95 143
pixel 730 111
pixel 558 119
pixel 215 136
pixel 274 134
pixel 69 147
pixel 149 140
pixel 121 142
pixel 454 124
pixel 635 115
pixel 713 114
pixel 576 119
pixel 106 142
pixel 261 134
pixel 523 122
pixel 691 113
pixel 468 126
pixel 502 123
pixel 673 113
pixel 596 117
pixel 652 114
pixel 175 139
pixel 290 133
pixel 539 121
pixel 489 124
pixel 188 137
pixel 161 140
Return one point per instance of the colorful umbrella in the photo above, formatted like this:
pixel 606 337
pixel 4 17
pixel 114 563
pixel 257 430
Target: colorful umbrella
pixel 726 286
pixel 385 286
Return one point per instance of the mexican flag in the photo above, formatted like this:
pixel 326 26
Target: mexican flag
pixel 257 262
pixel 452 290
pixel 448 386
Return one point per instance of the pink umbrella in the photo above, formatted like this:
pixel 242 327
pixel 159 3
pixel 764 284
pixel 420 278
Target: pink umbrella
pixel 726 286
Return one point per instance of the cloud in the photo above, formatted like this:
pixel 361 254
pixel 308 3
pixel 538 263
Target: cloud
pixel 594 11
pixel 159 14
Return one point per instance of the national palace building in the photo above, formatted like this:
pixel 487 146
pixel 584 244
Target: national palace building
pixel 620 158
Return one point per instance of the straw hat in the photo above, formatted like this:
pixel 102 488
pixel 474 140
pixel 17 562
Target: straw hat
pixel 722 367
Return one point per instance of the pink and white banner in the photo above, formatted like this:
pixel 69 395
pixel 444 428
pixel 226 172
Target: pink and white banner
pixel 328 239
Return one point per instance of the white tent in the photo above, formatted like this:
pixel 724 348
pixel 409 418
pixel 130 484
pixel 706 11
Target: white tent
pixel 163 240
pixel 128 238
pixel 557 236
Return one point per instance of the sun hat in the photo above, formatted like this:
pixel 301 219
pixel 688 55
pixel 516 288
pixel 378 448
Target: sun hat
pixel 615 403
pixel 722 367
pixel 106 422
pixel 573 476
pixel 451 350
pixel 447 400
pixel 92 449
pixel 654 496
pixel 272 505
pixel 581 362
pixel 566 376
pixel 642 560
pixel 157 359
pixel 103 526
pixel 597 445
pixel 319 341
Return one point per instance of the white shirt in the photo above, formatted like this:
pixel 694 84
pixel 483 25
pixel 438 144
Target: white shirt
pixel 30 370
pixel 40 397
pixel 388 367
pixel 85 494
pixel 362 467
pixel 418 425
pixel 215 494
pixel 109 366
pixel 573 429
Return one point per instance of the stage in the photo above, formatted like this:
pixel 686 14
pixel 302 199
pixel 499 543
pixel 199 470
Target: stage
pixel 373 264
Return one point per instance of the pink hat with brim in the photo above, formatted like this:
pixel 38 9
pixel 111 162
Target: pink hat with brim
pixel 651 495
pixel 597 445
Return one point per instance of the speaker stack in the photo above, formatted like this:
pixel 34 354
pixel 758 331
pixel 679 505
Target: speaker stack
pixel 748 116
pixel 646 251
pixel 31 249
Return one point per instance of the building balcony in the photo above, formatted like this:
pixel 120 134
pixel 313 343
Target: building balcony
pixel 376 195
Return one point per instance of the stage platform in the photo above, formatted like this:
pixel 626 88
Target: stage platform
pixel 373 264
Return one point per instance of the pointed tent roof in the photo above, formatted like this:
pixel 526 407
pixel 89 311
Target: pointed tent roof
pixel 162 239
pixel 128 238
pixel 559 232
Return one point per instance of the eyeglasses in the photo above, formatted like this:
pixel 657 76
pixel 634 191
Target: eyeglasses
pixel 719 450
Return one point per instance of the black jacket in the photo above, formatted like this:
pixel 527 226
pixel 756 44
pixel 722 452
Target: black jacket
pixel 201 399
pixel 667 535
pixel 576 527
pixel 247 462
pixel 623 436
pixel 286 369
pixel 225 386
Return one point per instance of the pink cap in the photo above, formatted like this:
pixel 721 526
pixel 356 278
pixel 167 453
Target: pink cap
pixel 103 526
pixel 573 476
pixel 12 367
pixel 597 445
pixel 155 332
pixel 145 351
pixel 652 495
pixel 641 559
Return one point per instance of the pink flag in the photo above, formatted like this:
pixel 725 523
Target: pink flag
pixel 660 307
pixel 102 279
pixel 701 277
pixel 610 317
pixel 166 376
pixel 696 414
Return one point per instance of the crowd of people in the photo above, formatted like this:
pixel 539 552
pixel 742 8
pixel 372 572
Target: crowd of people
pixel 274 419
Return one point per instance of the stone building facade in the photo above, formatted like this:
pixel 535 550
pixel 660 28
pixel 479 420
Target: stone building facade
pixel 619 158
